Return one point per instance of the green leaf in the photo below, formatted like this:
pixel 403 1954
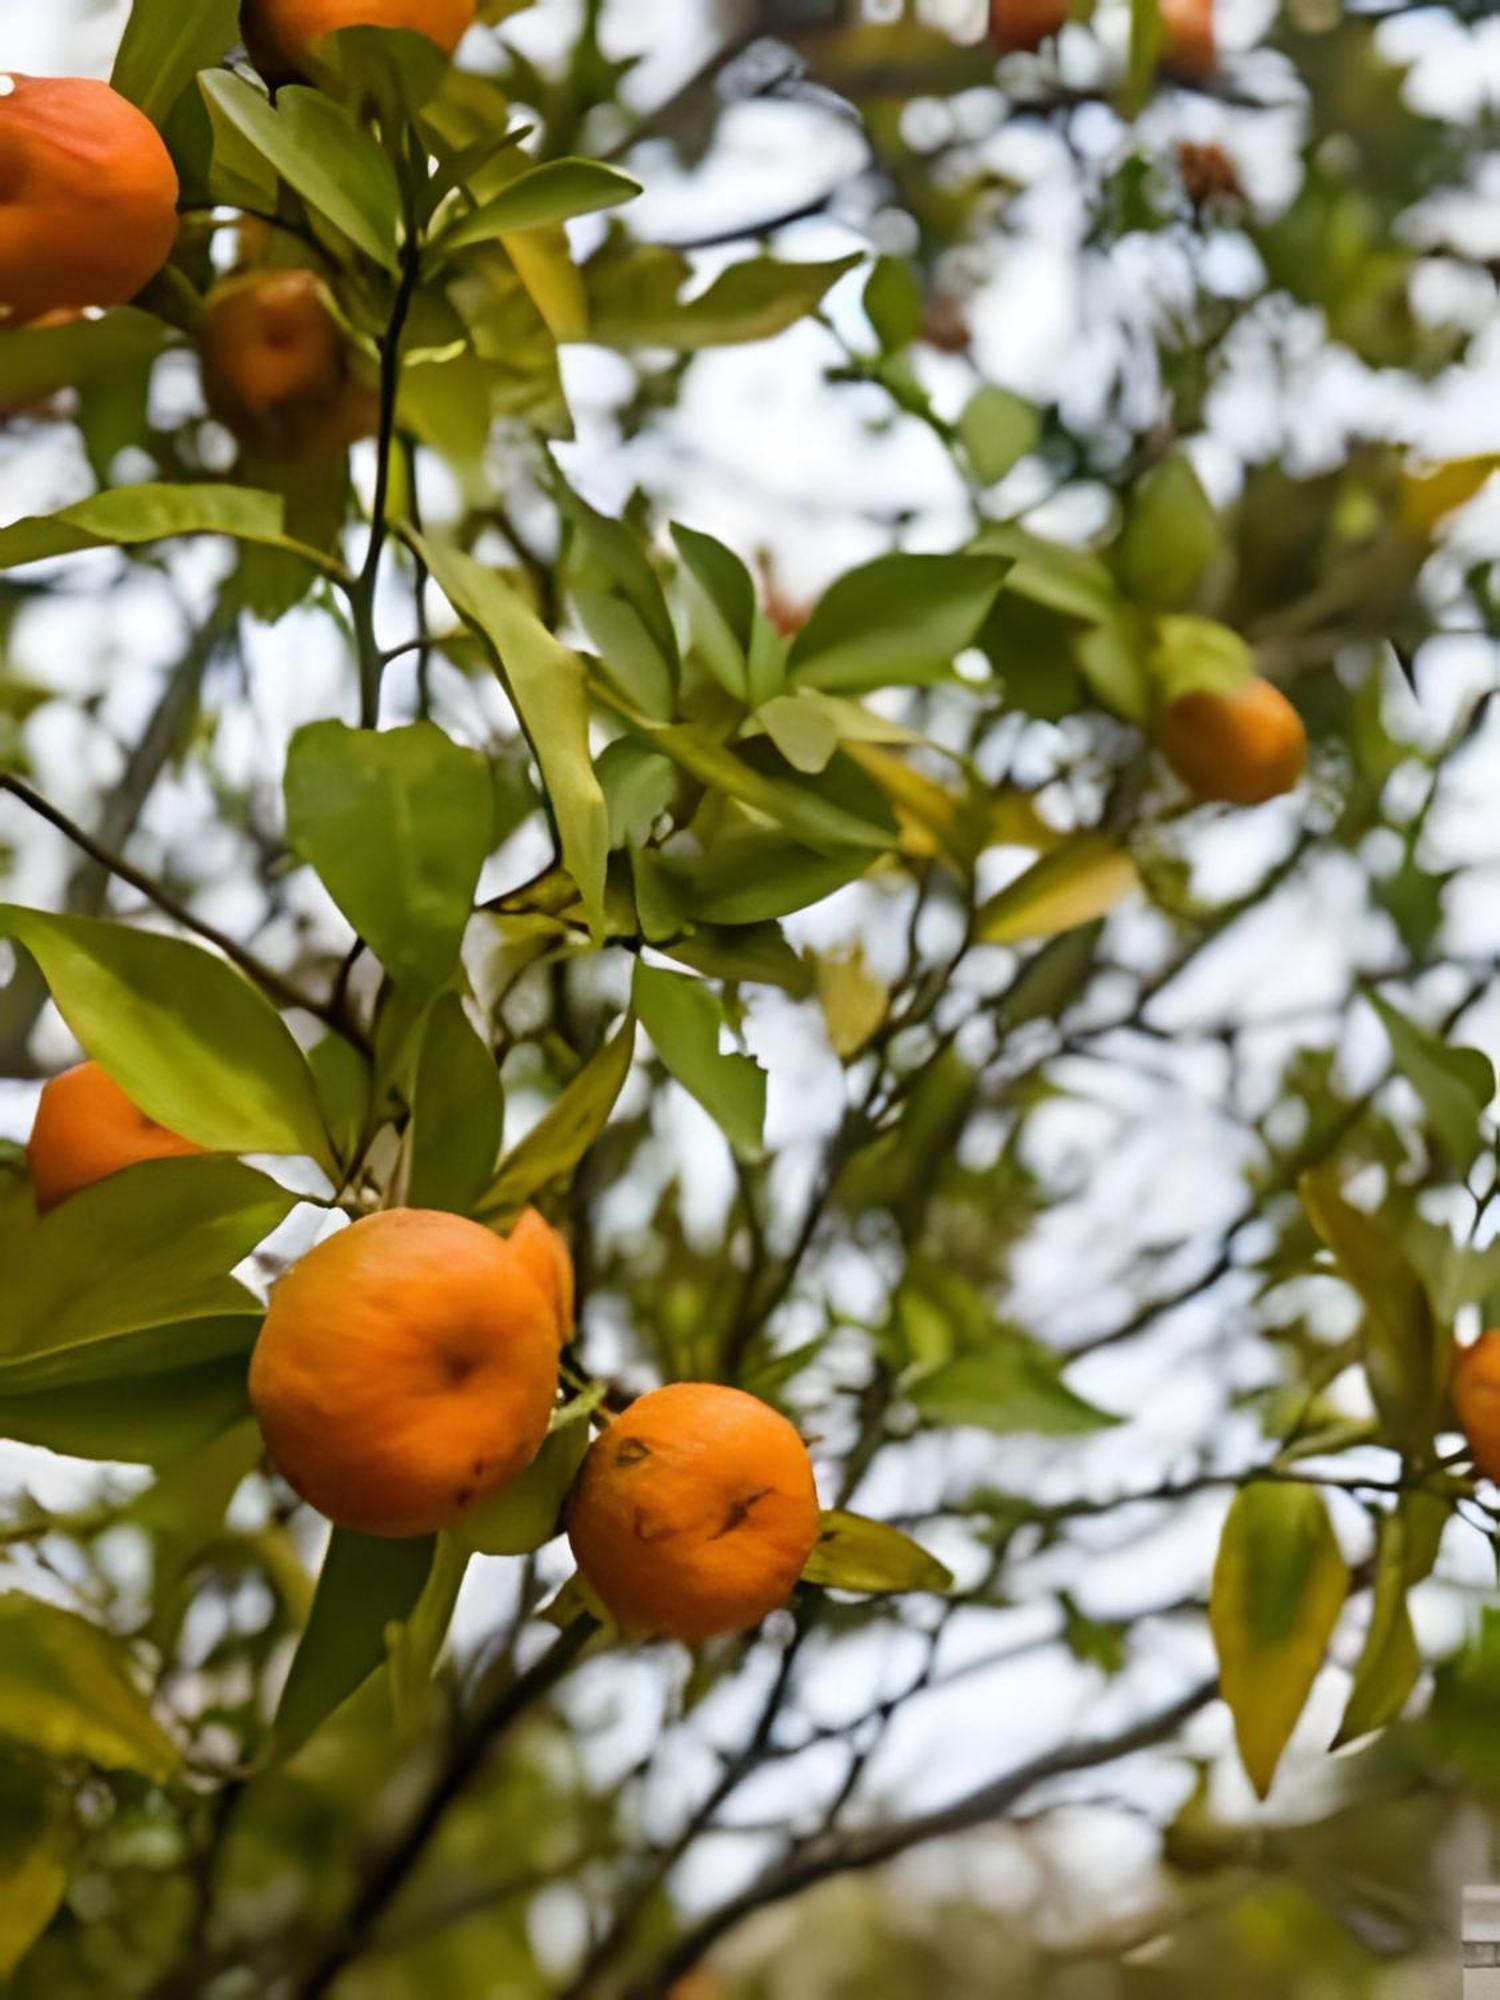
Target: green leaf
pixel 140 1416
pixel 184 1034
pixel 997 429
pixel 721 600
pixel 555 1145
pixel 37 361
pixel 398 825
pixel 757 876
pixel 803 730
pixel 894 304
pixel 843 810
pixel 1052 978
pixel 315 146
pixel 165 45
pixel 1456 1086
pixel 685 1018
pixel 1407 1354
pixel 1279 1586
pixel 527 1514
pixel 130 516
pixel 456 1113
pixel 1013 1388
pixel 1389 1665
pixel 66 1691
pixel 366 1584
pixel 38 1840
pixel 1171 535
pixel 415 1644
pixel 547 683
pixel 628 653
pixel 1147 38
pixel 553 192
pixel 609 555
pixel 899 620
pixel 634 299
pixel 855 1554
pixel 1075 884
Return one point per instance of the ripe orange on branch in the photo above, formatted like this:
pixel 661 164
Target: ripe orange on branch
pixel 1242 747
pixel 88 197
pixel 278 369
pixel 282 34
pixel 407 1368
pixel 1025 24
pixel 1476 1398
pixel 86 1129
pixel 695 1513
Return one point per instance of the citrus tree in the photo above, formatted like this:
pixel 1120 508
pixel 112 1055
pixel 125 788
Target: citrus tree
pixel 698 1153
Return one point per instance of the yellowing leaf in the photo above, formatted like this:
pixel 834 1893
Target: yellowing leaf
pixel 66 1691
pixel 853 999
pixel 1429 496
pixel 37 1840
pixel 1279 1585
pixel 1079 881
pixel 856 1554
pixel 559 1141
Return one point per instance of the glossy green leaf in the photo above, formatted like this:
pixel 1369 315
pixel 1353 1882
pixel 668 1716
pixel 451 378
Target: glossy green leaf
pixel 67 1691
pixel 130 516
pixel 868 1557
pixel 755 877
pixel 1279 1586
pixel 635 299
pixel 841 810
pixel 527 1514
pixel 185 1035
pixel 366 1584
pixel 164 46
pixel 901 619
pixel 1456 1085
pixel 546 681
pixel 553 192
pixel 1390 1665
pixel 997 428
pixel 155 1419
pixel 721 604
pixel 456 1113
pixel 559 1140
pixel 1075 884
pixel 398 825
pixel 315 146
pixel 685 1019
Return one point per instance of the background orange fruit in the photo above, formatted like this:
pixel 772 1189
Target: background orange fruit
pixel 281 34
pixel 86 1129
pixel 1243 748
pixel 279 370
pixel 694 1513
pixel 1476 1398
pixel 1025 24
pixel 1188 28
pixel 88 197
pixel 406 1369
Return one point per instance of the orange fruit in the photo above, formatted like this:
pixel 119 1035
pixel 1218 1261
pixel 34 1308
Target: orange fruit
pixel 694 1513
pixel 86 1129
pixel 1476 1398
pixel 1243 747
pixel 1025 24
pixel 545 1255
pixel 279 370
pixel 88 197
pixel 1188 27
pixel 407 1368
pixel 281 34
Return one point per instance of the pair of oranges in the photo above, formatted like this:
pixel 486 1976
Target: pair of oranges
pixel 1187 30
pixel 408 1369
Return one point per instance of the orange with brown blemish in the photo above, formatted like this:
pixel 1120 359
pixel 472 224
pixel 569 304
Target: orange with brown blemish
pixel 1242 748
pixel 282 34
pixel 86 1129
pixel 407 1369
pixel 695 1513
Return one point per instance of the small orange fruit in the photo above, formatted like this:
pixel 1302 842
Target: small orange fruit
pixel 86 1129
pixel 1025 24
pixel 695 1513
pixel 281 34
pixel 1476 1398
pixel 88 197
pixel 278 369
pixel 545 1255
pixel 1244 748
pixel 1190 48
pixel 407 1368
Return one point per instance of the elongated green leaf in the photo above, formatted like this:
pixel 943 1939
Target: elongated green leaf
pixel 366 1584
pixel 634 299
pixel 528 1513
pixel 156 1420
pixel 1407 1354
pixel 606 555
pixel 398 825
pixel 1075 884
pixel 165 45
pixel 316 148
pixel 546 681
pixel 1015 1387
pixel 555 1145
pixel 1390 1664
pixel 129 516
pixel 755 877
pixel 1171 534
pixel 37 1843
pixel 187 1038
pixel 553 192
pixel 721 600
pixel 997 429
pixel 834 813
pixel 1052 978
pixel 685 1018
pixel 856 1554
pixel 456 1113
pixel 414 1645
pixel 1456 1086
pixel 66 1691
pixel 1279 1586
pixel 901 619
pixel 37 361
